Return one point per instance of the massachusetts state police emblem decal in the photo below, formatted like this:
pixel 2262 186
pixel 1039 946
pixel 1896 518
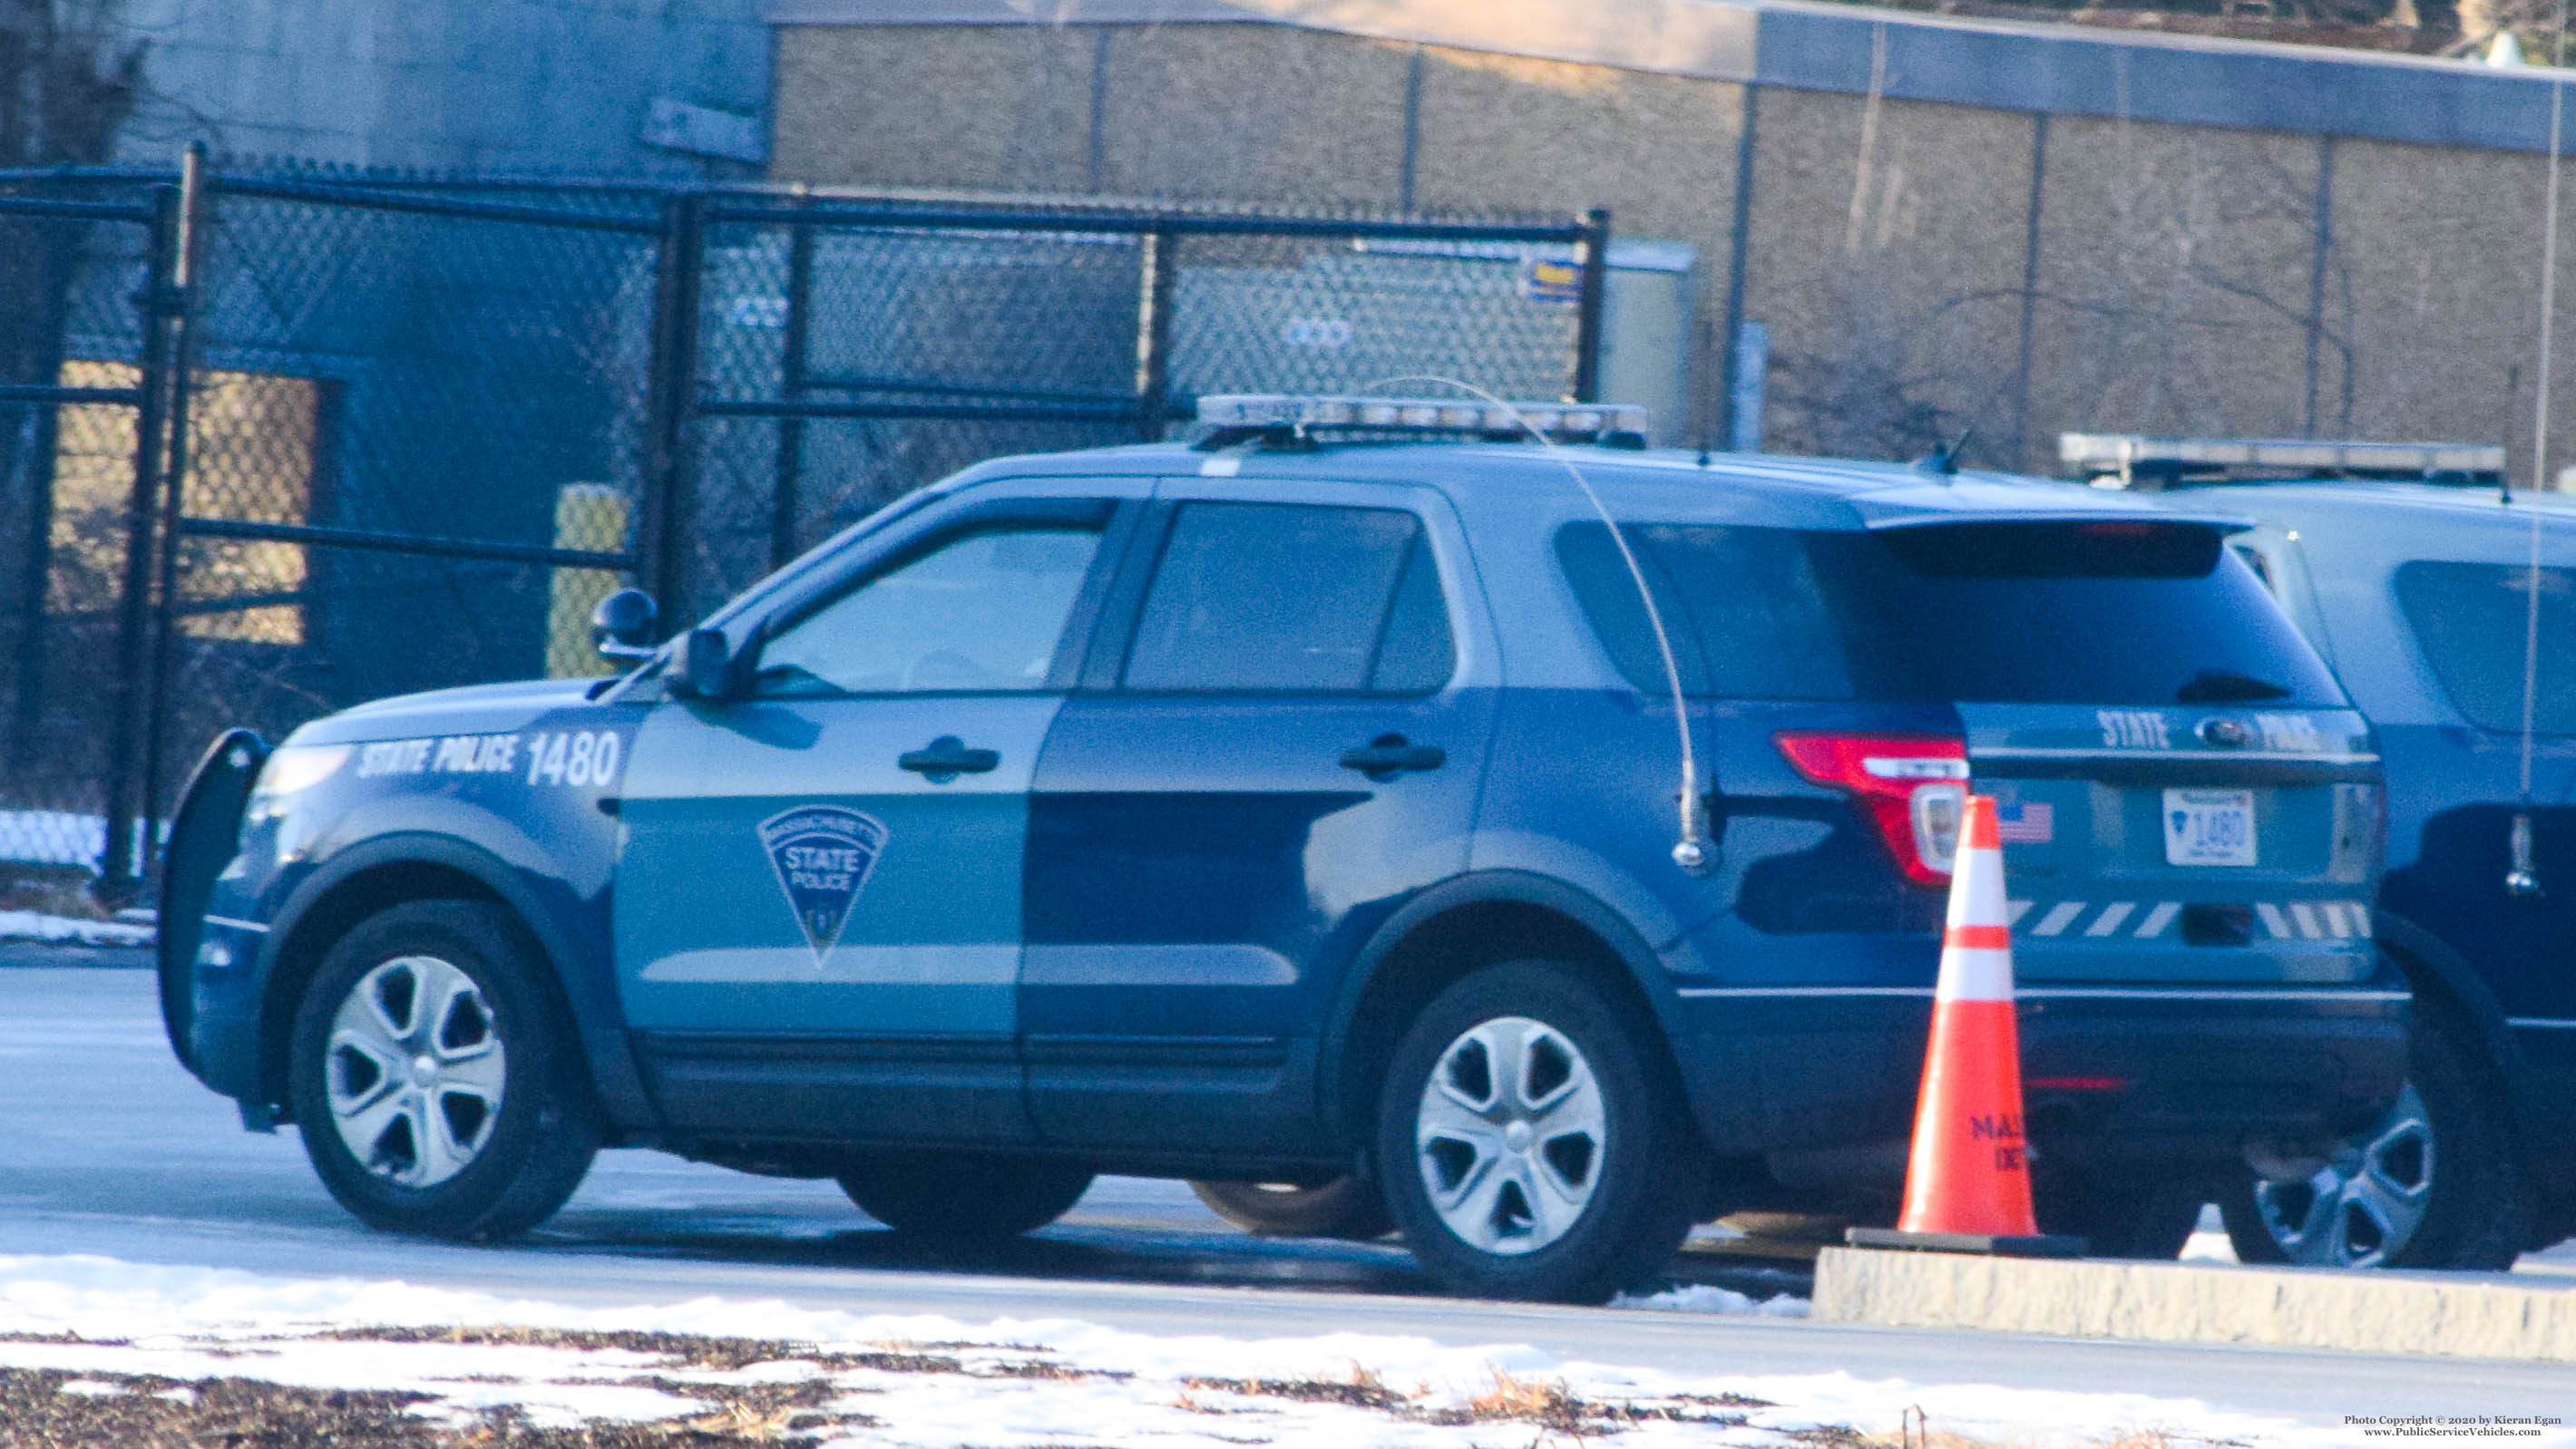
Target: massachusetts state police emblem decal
pixel 822 854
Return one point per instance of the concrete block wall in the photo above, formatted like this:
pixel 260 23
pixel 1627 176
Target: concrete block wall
pixel 509 86
pixel 2167 275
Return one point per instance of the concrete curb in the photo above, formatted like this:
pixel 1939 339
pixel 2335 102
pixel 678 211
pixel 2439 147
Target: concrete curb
pixel 2367 1312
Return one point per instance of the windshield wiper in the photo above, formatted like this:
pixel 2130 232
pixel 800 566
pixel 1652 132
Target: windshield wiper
pixel 2226 686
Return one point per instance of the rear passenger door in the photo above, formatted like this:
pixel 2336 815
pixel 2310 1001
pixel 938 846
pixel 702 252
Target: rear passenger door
pixel 1275 743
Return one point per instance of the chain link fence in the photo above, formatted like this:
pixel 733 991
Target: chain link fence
pixel 277 444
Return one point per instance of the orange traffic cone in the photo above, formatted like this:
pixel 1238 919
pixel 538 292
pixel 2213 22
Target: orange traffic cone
pixel 1967 1182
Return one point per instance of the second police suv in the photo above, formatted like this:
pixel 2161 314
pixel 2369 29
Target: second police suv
pixel 1307 802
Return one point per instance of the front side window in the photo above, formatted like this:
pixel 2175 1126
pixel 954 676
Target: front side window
pixel 1272 598
pixel 980 613
pixel 2472 620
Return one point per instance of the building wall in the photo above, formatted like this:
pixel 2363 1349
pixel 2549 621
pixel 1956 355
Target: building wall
pixel 2168 276
pixel 515 86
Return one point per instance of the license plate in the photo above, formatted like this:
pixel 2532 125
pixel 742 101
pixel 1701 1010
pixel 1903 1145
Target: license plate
pixel 2209 827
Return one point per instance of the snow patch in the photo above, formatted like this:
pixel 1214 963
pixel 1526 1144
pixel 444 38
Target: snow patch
pixel 1709 1298
pixel 932 1382
pixel 71 930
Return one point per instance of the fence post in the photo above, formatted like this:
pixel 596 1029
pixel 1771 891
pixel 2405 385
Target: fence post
pixel 1594 257
pixel 785 498
pixel 1156 272
pixel 671 381
pixel 60 274
pixel 157 709
pixel 118 883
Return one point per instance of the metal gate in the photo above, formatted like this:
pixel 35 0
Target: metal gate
pixel 392 434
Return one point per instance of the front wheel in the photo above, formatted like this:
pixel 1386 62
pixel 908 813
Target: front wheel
pixel 1531 1142
pixel 434 1077
pixel 963 1197
pixel 2434 1183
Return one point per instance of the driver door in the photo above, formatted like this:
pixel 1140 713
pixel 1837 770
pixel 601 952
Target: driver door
pixel 817 908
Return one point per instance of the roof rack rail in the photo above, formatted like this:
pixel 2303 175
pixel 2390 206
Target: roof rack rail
pixel 1294 420
pixel 2131 460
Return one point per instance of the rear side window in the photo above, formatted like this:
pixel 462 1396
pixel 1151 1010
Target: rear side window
pixel 1746 615
pixel 1276 598
pixel 2145 613
pixel 2470 620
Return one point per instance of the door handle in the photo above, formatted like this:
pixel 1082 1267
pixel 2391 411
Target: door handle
pixel 1388 756
pixel 947 758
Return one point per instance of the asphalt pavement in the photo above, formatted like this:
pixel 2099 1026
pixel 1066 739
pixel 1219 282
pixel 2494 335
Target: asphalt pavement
pixel 108 1147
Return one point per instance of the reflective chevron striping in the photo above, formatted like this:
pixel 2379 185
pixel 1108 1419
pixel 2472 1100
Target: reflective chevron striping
pixel 2111 917
pixel 2282 920
pixel 2059 917
pixel 2159 918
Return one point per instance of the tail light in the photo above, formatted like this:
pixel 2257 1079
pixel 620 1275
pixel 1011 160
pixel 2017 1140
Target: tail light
pixel 1914 788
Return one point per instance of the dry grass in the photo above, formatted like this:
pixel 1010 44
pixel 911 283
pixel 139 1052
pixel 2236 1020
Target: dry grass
pixel 1545 1403
pixel 725 1355
pixel 152 1413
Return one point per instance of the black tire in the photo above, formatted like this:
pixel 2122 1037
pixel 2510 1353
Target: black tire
pixel 1642 1174
pixel 2146 1212
pixel 2476 1211
pixel 963 1197
pixel 529 1153
pixel 1346 1207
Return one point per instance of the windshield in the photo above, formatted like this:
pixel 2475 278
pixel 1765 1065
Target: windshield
pixel 2104 613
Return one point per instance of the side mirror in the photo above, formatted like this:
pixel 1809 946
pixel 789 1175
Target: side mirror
pixel 706 665
pixel 622 626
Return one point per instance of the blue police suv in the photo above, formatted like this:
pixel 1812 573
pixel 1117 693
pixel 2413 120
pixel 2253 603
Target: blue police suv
pixel 1313 801
pixel 2411 571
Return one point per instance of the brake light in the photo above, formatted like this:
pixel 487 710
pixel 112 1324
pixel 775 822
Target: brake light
pixel 1914 788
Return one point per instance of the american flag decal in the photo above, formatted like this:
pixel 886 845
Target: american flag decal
pixel 2031 822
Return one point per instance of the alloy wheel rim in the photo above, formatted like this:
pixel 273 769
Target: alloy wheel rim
pixel 2365 1204
pixel 414 1071
pixel 1509 1136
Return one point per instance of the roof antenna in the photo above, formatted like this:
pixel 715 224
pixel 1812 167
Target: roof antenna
pixel 1690 850
pixel 1943 460
pixel 2522 878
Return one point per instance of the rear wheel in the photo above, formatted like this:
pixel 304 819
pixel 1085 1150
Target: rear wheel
pixel 2434 1183
pixel 963 1197
pixel 1530 1142
pixel 434 1077
pixel 2147 1213
pixel 1345 1207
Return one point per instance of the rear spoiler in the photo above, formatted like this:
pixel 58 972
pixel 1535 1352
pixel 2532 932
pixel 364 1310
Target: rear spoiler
pixel 2161 517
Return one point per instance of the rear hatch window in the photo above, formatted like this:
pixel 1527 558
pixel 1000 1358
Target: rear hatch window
pixel 2114 612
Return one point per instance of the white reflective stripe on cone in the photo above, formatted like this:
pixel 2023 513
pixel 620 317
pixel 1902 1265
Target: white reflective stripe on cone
pixel 1975 973
pixel 1977 891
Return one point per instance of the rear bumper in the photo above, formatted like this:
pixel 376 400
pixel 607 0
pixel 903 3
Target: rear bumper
pixel 2109 1073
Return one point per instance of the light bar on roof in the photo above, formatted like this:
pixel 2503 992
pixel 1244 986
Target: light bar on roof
pixel 1418 414
pixel 2127 453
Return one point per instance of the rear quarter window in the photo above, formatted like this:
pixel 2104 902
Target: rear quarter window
pixel 1747 617
pixel 2471 619
pixel 2097 613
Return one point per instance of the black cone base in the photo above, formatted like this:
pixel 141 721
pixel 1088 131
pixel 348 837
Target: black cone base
pixel 1996 1245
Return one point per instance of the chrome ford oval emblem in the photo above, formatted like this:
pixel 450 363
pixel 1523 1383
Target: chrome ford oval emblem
pixel 2225 734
